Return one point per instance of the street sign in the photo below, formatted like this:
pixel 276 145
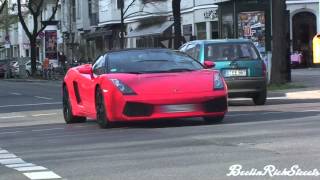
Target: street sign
pixel 7 46
pixel 41 35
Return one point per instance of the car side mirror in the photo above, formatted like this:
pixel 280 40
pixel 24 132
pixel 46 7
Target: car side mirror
pixel 209 64
pixel 85 69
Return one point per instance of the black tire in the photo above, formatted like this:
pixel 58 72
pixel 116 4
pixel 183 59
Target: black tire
pixel 67 109
pixel 213 119
pixel 260 98
pixel 102 119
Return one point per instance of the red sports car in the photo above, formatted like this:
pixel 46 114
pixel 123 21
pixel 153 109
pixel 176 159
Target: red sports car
pixel 143 84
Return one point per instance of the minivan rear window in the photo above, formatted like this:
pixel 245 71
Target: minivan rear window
pixel 230 51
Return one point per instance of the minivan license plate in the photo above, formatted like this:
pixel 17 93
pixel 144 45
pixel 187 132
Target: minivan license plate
pixel 235 73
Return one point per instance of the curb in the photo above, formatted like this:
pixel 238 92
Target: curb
pixel 31 80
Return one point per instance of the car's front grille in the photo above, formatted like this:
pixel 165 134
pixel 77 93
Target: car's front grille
pixel 216 105
pixel 133 109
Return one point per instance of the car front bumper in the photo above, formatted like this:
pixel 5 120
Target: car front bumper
pixel 152 107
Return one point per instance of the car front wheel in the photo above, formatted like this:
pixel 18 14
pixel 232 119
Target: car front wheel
pixel 102 119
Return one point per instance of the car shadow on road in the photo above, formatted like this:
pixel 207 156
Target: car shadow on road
pixel 248 102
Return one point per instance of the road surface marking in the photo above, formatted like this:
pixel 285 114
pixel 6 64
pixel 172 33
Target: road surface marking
pixel 11 161
pixel 3 151
pixel 269 98
pixel 19 165
pixel 42 175
pixel 31 168
pixel 49 114
pixel 7 156
pixel 22 105
pixel 11 117
pixel 17 94
pixel 51 129
pixel 40 97
pixel 235 115
pixel 32 171
pixel 11 132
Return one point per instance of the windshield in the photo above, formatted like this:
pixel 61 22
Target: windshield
pixel 228 51
pixel 151 61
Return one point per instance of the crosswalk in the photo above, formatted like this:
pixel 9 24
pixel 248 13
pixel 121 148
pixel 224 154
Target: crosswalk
pixel 30 170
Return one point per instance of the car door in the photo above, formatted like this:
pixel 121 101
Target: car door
pixel 86 85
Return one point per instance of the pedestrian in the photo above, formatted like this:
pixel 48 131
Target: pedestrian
pixel 62 62
pixel 45 68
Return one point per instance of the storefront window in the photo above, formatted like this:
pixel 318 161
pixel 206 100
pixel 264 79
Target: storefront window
pixel 201 31
pixel 251 25
pixel 227 26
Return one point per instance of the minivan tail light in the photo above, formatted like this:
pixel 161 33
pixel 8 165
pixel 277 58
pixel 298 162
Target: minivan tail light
pixel 264 69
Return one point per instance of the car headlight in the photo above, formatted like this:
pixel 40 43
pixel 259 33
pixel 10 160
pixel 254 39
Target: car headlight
pixel 122 87
pixel 218 82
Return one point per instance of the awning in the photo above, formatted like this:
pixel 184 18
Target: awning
pixel 98 33
pixel 153 30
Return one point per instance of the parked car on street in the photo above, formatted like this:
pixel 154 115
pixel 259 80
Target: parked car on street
pixel 143 84
pixel 238 61
pixel 3 68
pixel 15 68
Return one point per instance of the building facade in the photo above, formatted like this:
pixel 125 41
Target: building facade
pixel 304 25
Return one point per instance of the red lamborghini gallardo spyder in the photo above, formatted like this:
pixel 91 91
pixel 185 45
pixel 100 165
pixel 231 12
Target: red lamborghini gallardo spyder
pixel 143 84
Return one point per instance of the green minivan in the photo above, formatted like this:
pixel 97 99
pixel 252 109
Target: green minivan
pixel 238 61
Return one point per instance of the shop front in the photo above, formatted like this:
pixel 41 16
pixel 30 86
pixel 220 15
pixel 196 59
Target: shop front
pixel 247 19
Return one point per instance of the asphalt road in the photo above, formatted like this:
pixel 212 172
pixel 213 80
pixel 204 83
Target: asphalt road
pixel 36 144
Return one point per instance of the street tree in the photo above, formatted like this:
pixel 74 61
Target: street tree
pixel 124 11
pixel 34 7
pixel 2 5
pixel 176 11
pixel 279 44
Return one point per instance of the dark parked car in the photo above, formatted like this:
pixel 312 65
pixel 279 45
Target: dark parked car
pixel 3 68
pixel 238 61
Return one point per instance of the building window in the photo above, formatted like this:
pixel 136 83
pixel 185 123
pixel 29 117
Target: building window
pixel 73 7
pixel 201 30
pixel 78 9
pixel 215 30
pixel 119 3
pixel 187 30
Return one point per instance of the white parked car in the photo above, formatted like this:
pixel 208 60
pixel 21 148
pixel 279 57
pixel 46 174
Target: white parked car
pixel 15 68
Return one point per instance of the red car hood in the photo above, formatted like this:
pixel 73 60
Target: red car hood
pixel 168 83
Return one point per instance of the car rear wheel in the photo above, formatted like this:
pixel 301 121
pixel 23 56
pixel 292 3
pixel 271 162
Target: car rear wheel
pixel 102 119
pixel 260 98
pixel 67 109
pixel 213 119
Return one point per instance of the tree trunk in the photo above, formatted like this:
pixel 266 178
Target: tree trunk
pixel 122 29
pixel 176 10
pixel 279 45
pixel 33 45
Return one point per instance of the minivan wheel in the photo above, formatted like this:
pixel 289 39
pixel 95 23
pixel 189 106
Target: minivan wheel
pixel 260 98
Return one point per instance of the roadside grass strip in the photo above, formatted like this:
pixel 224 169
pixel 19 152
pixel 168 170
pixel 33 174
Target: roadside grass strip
pixel 30 170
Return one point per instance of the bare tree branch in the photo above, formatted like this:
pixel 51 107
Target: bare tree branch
pixel 3 4
pixel 23 23
pixel 131 4
pixel 51 17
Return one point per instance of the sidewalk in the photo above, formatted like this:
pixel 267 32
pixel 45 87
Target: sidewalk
pixel 309 78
